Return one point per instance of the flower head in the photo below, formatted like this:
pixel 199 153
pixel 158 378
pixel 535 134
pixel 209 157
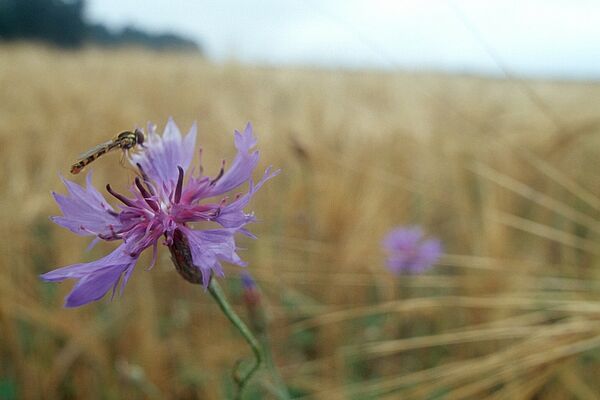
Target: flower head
pixel 409 251
pixel 162 204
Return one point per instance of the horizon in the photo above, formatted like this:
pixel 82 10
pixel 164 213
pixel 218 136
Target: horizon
pixel 463 37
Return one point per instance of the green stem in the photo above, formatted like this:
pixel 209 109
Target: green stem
pixel 282 391
pixel 217 293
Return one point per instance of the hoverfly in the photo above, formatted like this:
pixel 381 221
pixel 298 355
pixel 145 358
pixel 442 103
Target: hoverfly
pixel 124 141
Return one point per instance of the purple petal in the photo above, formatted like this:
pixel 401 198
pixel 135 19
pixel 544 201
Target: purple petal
pixel 197 188
pixel 93 287
pixel 85 211
pixel 403 238
pixel 243 164
pixel 189 144
pixel 409 251
pixel 96 277
pixel 194 212
pixel 163 154
pixel 210 247
pixel 232 215
pixel 430 251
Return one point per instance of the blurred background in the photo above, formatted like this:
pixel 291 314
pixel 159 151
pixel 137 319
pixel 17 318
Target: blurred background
pixel 477 121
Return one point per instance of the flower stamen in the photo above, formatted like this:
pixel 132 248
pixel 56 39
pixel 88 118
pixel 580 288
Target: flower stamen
pixel 120 197
pixel 221 172
pixel 145 178
pixel 146 195
pixel 179 186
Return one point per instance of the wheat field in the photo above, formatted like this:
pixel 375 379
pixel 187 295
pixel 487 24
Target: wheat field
pixel 505 172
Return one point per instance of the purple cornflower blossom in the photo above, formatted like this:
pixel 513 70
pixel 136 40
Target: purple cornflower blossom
pixel 161 205
pixel 409 251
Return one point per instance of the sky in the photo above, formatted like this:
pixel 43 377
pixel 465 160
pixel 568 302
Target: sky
pixel 549 38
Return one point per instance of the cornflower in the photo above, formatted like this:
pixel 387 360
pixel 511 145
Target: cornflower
pixel 409 251
pixel 162 204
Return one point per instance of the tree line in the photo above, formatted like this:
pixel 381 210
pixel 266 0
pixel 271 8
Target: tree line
pixel 62 23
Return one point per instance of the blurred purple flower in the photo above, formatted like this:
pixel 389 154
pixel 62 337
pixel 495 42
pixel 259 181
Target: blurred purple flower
pixel 409 251
pixel 251 293
pixel 248 282
pixel 161 205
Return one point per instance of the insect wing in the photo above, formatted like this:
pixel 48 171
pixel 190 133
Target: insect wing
pixel 106 145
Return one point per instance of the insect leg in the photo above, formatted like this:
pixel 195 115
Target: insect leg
pixel 126 165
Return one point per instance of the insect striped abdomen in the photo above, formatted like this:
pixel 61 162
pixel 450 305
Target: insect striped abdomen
pixel 125 141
